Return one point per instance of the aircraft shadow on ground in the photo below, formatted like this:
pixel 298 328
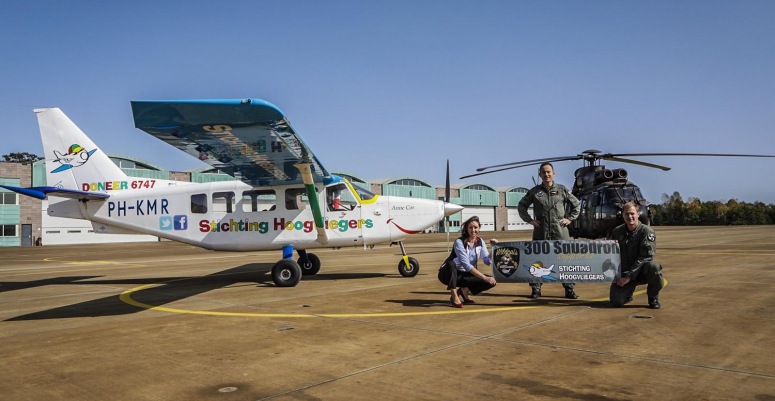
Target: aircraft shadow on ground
pixel 168 290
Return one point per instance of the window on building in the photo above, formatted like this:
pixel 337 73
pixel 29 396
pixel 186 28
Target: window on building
pixel 9 230
pixel 199 203
pixel 410 183
pixel 259 200
pixel 9 198
pixel 479 187
pixel 519 190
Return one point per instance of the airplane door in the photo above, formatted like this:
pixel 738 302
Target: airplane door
pixel 344 225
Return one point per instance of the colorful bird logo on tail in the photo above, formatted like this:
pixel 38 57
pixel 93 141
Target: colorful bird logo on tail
pixel 76 156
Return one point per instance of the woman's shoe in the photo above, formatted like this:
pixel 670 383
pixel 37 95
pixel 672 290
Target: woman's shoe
pixel 454 305
pixel 463 296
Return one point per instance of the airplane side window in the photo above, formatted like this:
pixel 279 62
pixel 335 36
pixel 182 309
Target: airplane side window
pixel 199 203
pixel 295 198
pixel 223 202
pixel 259 200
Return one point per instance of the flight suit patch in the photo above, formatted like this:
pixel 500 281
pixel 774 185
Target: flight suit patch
pixel 553 193
pixel 651 237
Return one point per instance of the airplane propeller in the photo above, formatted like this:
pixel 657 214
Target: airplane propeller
pixel 446 201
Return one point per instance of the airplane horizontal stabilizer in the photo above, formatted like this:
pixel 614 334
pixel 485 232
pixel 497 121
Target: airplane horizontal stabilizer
pixel 42 192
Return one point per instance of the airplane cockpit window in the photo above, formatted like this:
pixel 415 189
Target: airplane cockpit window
pixel 259 200
pixel 199 203
pixel 223 202
pixel 363 193
pixel 339 198
pixel 295 198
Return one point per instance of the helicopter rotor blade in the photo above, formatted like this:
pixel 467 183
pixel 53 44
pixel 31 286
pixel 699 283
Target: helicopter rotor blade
pixel 685 154
pixel 530 162
pixel 505 168
pixel 638 162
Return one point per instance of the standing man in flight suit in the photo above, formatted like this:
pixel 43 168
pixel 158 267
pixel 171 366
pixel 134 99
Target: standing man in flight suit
pixel 551 219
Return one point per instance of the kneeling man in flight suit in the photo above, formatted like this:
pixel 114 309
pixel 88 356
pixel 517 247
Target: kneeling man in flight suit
pixel 638 245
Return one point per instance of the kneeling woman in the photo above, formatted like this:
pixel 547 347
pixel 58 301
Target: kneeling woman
pixel 469 249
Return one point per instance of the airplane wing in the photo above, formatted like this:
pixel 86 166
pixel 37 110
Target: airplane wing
pixel 43 192
pixel 248 138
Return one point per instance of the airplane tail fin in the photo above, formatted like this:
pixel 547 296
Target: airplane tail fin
pixel 73 161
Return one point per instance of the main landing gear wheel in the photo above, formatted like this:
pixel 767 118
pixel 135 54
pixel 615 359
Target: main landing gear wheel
pixel 286 273
pixel 411 270
pixel 311 265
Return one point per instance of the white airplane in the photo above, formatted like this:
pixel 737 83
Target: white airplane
pixel 283 199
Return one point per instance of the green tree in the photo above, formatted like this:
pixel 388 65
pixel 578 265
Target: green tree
pixel 22 157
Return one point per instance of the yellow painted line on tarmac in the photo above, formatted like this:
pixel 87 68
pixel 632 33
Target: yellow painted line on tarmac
pixel 126 297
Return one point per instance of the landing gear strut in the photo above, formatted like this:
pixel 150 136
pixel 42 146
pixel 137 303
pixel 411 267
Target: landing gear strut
pixel 408 266
pixel 286 272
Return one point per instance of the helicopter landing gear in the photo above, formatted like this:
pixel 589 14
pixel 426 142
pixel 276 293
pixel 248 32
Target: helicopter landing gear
pixel 408 266
pixel 309 262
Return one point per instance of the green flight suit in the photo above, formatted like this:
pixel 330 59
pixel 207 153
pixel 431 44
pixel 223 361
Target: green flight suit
pixel 637 248
pixel 549 209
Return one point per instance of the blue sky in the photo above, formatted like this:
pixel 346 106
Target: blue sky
pixel 395 88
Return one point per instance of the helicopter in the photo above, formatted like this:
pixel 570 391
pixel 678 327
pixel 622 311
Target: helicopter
pixel 601 191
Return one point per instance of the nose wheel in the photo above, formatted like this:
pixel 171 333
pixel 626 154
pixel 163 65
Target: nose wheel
pixel 408 266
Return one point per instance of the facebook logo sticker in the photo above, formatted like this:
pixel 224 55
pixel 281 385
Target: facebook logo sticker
pixel 181 222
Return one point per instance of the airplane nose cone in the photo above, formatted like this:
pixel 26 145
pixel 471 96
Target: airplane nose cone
pixel 451 208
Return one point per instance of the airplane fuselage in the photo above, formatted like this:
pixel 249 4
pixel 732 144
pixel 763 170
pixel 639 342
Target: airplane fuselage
pixel 233 216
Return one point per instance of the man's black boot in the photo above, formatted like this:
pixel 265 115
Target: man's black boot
pixel 654 303
pixel 536 293
pixel 570 294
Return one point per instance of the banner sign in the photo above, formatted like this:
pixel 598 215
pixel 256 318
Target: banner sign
pixel 577 261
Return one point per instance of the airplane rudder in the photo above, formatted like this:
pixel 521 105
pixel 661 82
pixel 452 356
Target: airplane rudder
pixel 72 158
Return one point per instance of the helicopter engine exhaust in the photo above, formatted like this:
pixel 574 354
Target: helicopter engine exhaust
pixel 620 173
pixel 603 175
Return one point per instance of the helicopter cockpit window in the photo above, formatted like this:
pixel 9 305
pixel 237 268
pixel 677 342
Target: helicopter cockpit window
pixel 594 200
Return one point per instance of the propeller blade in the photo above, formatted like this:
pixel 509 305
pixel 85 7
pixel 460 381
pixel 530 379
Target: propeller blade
pixel 619 159
pixel 446 200
pixel 446 188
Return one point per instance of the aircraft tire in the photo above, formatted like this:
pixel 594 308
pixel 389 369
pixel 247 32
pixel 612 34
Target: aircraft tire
pixel 311 266
pixel 411 270
pixel 286 273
